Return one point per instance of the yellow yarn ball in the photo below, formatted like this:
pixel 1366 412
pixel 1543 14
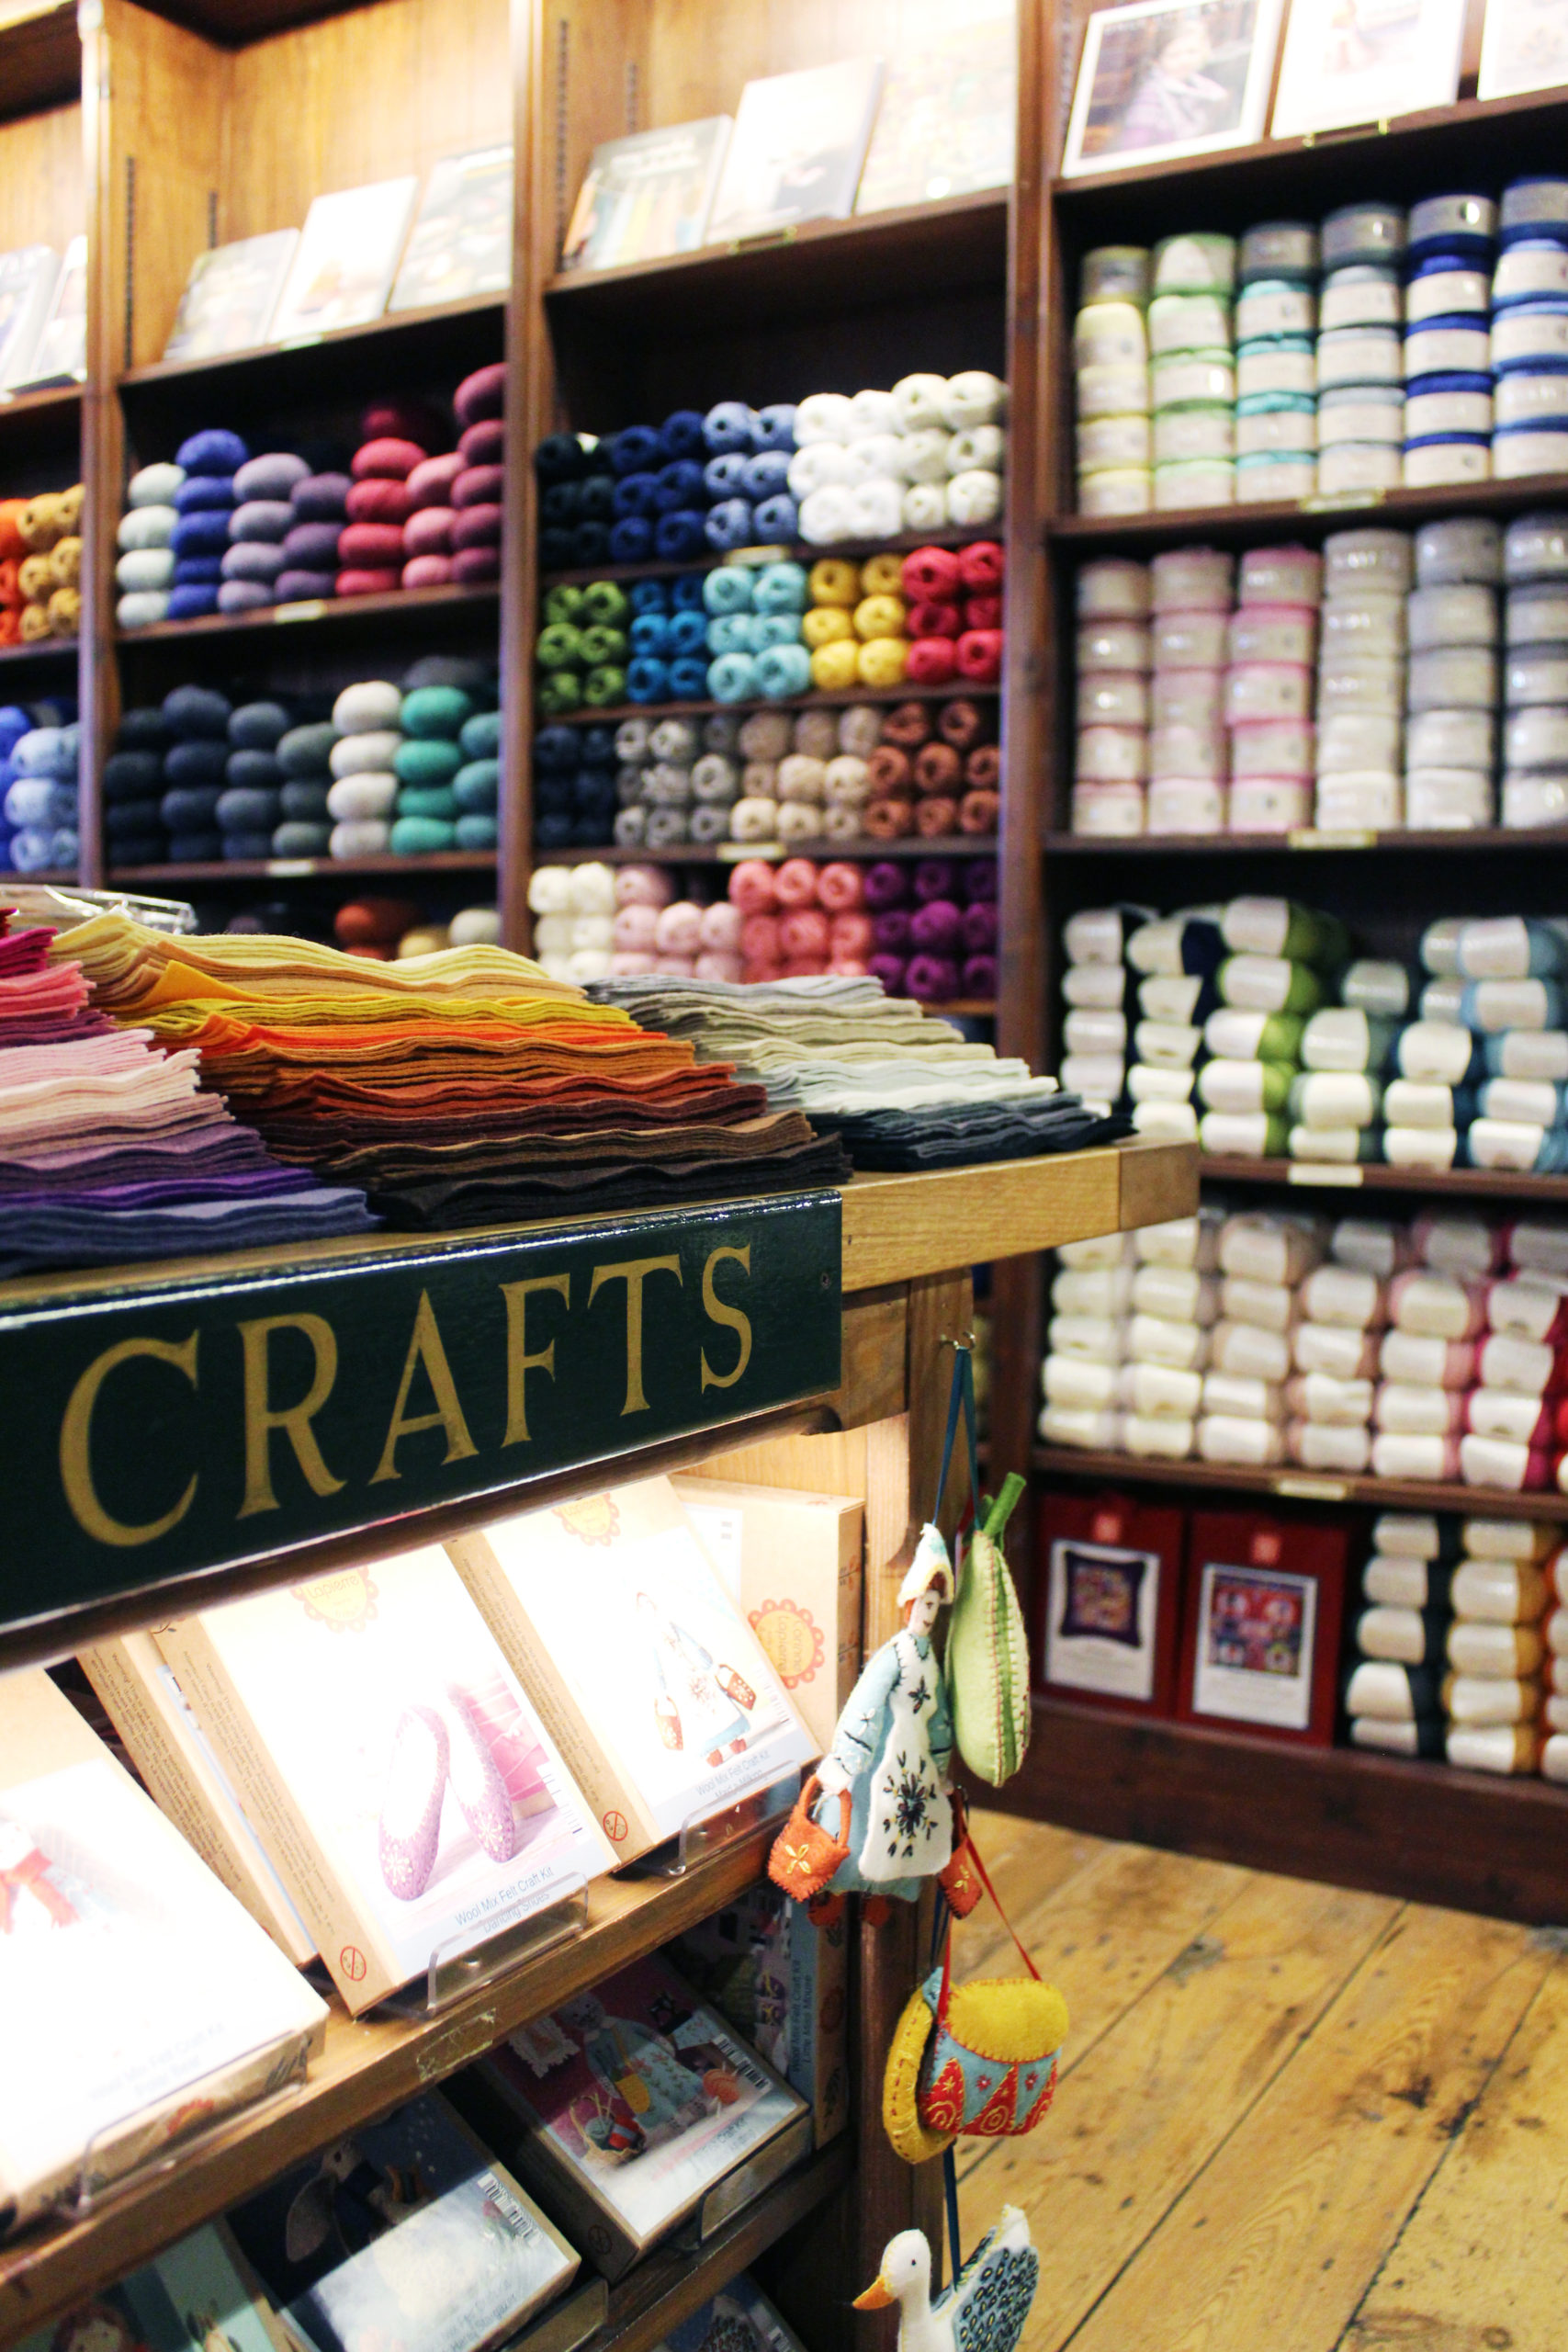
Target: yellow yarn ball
pixel 64 610
pixel 35 579
pixel 880 617
pixel 881 662
pixel 425 939
pixel 833 581
pixel 40 522
pixel 837 666
pixel 70 503
pixel 881 575
pixel 825 624
pixel 34 623
pixel 65 562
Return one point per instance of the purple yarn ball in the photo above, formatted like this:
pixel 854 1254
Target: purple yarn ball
pixel 932 978
pixel 886 885
pixel 979 879
pixel 980 976
pixel 891 931
pixel 980 927
pixel 889 970
pixel 936 927
pixel 935 878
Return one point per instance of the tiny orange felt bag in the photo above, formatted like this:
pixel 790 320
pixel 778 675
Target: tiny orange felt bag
pixel 806 1856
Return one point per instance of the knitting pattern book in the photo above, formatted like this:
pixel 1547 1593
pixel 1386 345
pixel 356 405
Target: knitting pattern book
pixel 641 2095
pixel 461 244
pixel 670 1708
pixel 132 1985
pixel 947 122
pixel 348 252
pixel 409 2235
pixel 27 287
pixel 230 295
pixel 648 195
pixel 191 2298
pixel 412 1802
pixel 799 143
pixel 61 349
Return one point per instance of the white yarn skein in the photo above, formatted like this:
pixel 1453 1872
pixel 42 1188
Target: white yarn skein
pixel 925 506
pixel 874 412
pixel 982 449
pixel 592 889
pixel 550 890
pixel 878 457
pixel 877 510
pixel 922 455
pixel 974 397
pixel 827 516
pixel 920 401
pixel 823 416
pixel 974 498
pixel 818 466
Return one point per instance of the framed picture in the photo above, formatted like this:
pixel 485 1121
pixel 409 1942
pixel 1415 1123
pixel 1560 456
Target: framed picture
pixel 1107 1600
pixel 1360 61
pixel 1265 1602
pixel 1524 46
pixel 1165 78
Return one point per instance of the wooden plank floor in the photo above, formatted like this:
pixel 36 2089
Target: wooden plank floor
pixel 1291 2118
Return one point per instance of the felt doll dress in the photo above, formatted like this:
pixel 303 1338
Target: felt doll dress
pixel 704 1721
pixel 894 1744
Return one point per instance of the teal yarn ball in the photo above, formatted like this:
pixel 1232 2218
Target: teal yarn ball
pixel 480 737
pixel 426 760
pixel 422 836
pixel 413 801
pixel 440 711
pixel 477 787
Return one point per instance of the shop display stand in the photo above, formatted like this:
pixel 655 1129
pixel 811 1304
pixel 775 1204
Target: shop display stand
pixel 906 1245
pixel 1415 1829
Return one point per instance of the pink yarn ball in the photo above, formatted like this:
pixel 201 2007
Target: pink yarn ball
pixel 753 887
pixel 804 932
pixel 431 481
pixel 679 928
pixel 759 940
pixel 849 968
pixel 937 928
pixel 721 928
pixel 850 935
pixel 628 967
pixel 805 967
pixel 889 970
pixel 714 967
pixel 686 966
pixel 795 882
pixel 635 930
pixel 643 886
pixel 840 887
pixel 932 978
pixel 428 572
pixel 758 975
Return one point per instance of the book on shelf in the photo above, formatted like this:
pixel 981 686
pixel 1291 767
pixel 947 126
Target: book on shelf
pixel 230 295
pixel 343 269
pixel 648 195
pixel 183 1774
pixel 461 246
pixel 661 1700
pixel 406 1791
pixel 139 1998
pixel 799 141
pixel 947 123
pixel 60 354
pixel 739 2318
pixel 782 1982
pixel 637 2110
pixel 790 1563
pixel 407 2235
pixel 199 2295
pixel 28 279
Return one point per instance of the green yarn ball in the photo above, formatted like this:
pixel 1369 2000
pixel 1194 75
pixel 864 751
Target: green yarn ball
pixel 427 801
pixel 478 832
pixel 480 737
pixel 561 690
pixel 604 687
pixel 559 648
pixel 425 761
pixel 604 648
pixel 422 836
pixel 437 710
pixel 477 786
pixel 606 601
pixel 564 604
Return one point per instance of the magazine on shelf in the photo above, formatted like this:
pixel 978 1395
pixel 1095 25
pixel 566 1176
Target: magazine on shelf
pixel 409 1797
pixel 782 1982
pixel 60 354
pixel 799 143
pixel 347 256
pixel 637 2109
pixel 947 122
pixel 230 295
pixel 739 2318
pixel 661 1700
pixel 28 278
pixel 461 246
pixel 648 195
pixel 407 2235
pixel 137 1996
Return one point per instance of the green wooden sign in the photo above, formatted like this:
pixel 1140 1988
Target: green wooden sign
pixel 216 1418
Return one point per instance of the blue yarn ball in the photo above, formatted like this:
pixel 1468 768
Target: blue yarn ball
pixel 781 588
pixel 775 425
pixel 205 494
pixel 681 432
pixel 555 750
pixel 213 452
pixel 648 679
pixel 774 629
pixel 732 678
pixel 689 678
pixel 201 534
pixel 635 451
pixel 778 518
pixel 766 474
pixel 678 537
pixel 782 669
pixel 727 589
pixel 724 476
pixel 730 633
pixel 650 633
pixel 686 594
pixel 638 495
pixel 688 633
pixel 631 539
pixel 731 425
pixel 648 596
pixel 680 484
pixel 728 525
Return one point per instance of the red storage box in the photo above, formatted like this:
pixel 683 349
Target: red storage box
pixel 1264 1600
pixel 1107 1601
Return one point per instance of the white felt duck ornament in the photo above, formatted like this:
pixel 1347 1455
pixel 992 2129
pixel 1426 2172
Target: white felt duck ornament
pixel 987 2305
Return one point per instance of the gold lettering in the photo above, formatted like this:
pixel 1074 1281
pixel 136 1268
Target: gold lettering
pixel 519 1363
pixel 76 1444
pixel 426 1348
pixel 261 1419
pixel 732 1317
pixel 634 1270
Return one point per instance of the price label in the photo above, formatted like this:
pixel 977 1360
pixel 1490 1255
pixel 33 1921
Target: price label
pixel 1325 1171
pixel 1312 1491
pixel 1312 837
pixel 287 867
pixel 731 853
pixel 310 608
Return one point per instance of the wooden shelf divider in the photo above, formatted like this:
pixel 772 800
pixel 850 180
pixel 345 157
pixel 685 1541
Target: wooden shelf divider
pixel 1284 1483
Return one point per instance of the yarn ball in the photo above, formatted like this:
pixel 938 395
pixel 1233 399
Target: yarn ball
pixel 388 460
pixel 362 581
pixel 430 483
pixel 979 812
pixel 376 500
pixel 481 395
pixel 889 970
pixel 753 887
pixel 213 451
pixel 796 883
pixel 483 443
pixel 887 820
pixel 321 498
pixel 936 927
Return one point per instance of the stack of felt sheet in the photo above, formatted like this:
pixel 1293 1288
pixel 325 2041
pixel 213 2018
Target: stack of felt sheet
pixel 108 1149
pixel 900 1089
pixel 457 1088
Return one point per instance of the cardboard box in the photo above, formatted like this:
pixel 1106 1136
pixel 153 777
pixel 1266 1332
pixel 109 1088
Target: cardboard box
pixel 793 1563
pixel 412 1802
pixel 1263 1605
pixel 175 1759
pixel 1107 1601
pixel 782 1982
pixel 140 1998
pixel 661 1700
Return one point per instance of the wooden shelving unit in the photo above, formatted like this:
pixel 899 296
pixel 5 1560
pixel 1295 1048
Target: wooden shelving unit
pixel 168 878
pixel 1287 1484
pixel 731 853
pixel 1498 1184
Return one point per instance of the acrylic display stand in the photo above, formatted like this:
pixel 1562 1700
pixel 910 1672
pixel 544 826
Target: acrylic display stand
pixel 101 2177
pixel 706 1835
pixel 524 1931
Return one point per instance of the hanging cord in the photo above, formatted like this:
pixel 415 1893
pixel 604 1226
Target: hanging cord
pixel 961 1398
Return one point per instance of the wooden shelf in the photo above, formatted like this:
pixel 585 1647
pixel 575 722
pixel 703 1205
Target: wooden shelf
pixel 735 853
pixel 234 23
pixel 918 251
pixel 373 2064
pixel 1287 1484
pixel 1420 1831
pixel 614 713
pixel 1307 841
pixel 41 58
pixel 305 869
pixel 798 550
pixel 42 428
pixel 1312 518
pixel 45 649
pixel 1373 1176
pixel 400 609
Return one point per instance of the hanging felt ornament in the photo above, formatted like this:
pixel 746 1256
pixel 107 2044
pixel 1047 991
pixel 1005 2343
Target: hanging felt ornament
pixel 987 1651
pixel 988 2304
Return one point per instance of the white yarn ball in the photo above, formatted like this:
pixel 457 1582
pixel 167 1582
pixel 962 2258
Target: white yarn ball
pixel 366 795
pixel 371 703
pixel 674 739
pixel 799 820
pixel 356 754
pixel 141 608
pixel 826 517
pixel 154 485
pixel 146 567
pixel 877 510
pixel 920 401
pixel 922 456
pixel 550 890
pixel 631 739
pixel 592 932
pixel 552 933
pixel 630 828
pixel 587 964
pixel 475 927
pixel 823 416
pixel 841 823
pixel 361 836
pixel 874 412
pixel 847 784
pixel 974 498
pixel 860 728
pixel 983 447
pixel 876 458
pixel 714 779
pixel 817 467
pixel 802 778
pixel 592 889
pixel 925 506
pixel 974 397
pixel 709 822
pixel 754 819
